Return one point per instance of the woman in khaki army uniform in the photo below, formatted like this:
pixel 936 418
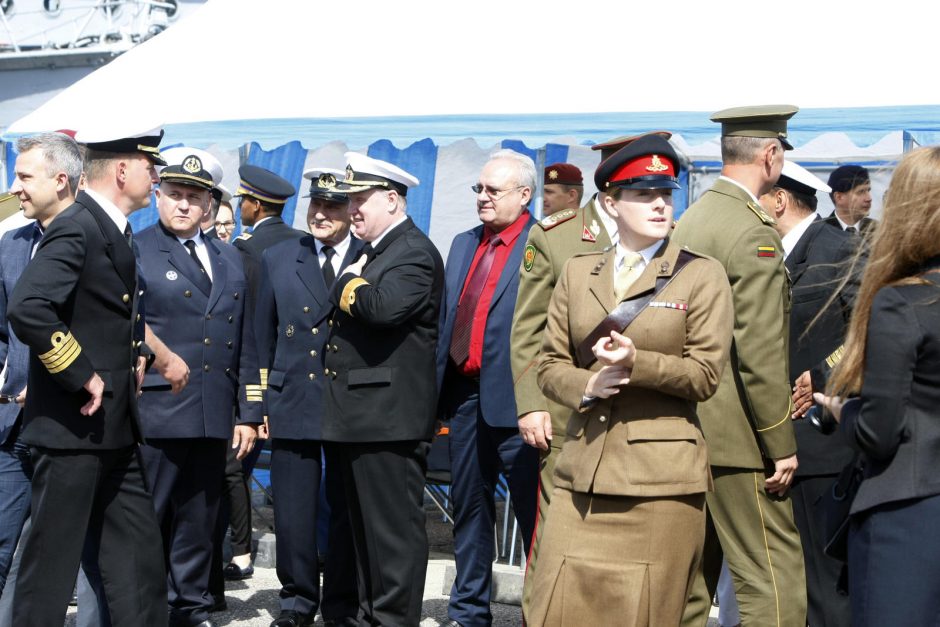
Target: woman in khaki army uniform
pixel 627 518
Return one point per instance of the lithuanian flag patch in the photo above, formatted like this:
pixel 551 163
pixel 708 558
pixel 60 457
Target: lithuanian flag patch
pixel 766 251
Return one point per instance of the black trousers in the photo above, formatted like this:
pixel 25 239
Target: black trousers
pixel 384 492
pixel 295 478
pixel 185 476
pixel 103 494
pixel 825 606
pixel 234 509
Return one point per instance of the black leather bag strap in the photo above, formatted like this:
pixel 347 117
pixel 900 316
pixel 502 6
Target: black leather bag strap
pixel 626 312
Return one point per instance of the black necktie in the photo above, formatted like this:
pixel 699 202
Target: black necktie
pixel 191 245
pixel 851 229
pixel 129 235
pixel 329 275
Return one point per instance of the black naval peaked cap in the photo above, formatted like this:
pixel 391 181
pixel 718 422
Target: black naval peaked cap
pixel 263 185
pixel 649 162
pixel 145 143
pixel 846 177
pixel 191 170
pixel 323 183
pixel 611 146
pixel 756 121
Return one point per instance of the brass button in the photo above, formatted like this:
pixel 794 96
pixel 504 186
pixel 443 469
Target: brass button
pixel 327 372
pixel 330 323
pixel 313 353
pixel 187 293
pixel 139 342
pixel 333 374
pixel 230 319
pixel 602 418
pixel 205 367
pixel 229 343
pixel 236 295
pixel 207 341
pixel 228 371
pixel 314 330
pixel 138 317
pixel 312 376
pixel 208 316
pixel 140 293
pixel 126 298
pixel 133 369
pixel 306 309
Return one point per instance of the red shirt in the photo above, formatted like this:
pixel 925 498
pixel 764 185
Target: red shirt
pixel 509 235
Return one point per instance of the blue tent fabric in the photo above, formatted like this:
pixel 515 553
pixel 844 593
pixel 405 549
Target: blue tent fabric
pixel 419 159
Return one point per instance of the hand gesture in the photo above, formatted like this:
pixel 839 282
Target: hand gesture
pixel 617 350
pixel 607 381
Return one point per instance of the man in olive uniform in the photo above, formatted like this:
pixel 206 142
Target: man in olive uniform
pixel 551 242
pixel 747 426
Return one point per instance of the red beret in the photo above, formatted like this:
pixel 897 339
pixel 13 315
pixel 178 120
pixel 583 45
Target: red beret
pixel 563 174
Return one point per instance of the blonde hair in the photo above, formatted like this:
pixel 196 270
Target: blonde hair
pixel 908 235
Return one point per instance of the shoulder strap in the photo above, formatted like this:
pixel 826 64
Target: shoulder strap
pixel 627 311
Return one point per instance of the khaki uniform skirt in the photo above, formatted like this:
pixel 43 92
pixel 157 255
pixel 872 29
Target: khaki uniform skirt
pixel 617 560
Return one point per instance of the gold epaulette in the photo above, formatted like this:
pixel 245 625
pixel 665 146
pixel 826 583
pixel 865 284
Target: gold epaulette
pixel 65 350
pixel 549 222
pixel 766 219
pixel 348 298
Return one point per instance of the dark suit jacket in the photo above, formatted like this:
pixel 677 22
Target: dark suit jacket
pixel 816 265
pixel 75 306
pixel 15 249
pixel 497 400
pixel 291 326
pixel 895 423
pixel 381 358
pixel 205 325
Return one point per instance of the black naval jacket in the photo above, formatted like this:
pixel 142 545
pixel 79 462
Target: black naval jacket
pixel 380 360
pixel 291 326
pixel 76 307
pixel 816 266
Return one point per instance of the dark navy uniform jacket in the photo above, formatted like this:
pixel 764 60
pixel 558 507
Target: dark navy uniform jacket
pixel 292 327
pixel 381 364
pixel 207 327
pixel 75 306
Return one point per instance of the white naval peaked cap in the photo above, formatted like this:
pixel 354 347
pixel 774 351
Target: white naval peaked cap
pixel 798 179
pixel 364 172
pixel 313 173
pixel 175 156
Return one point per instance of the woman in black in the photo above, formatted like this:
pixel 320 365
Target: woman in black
pixel 892 363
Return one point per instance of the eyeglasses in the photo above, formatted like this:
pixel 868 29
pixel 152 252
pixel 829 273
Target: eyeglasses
pixel 493 194
pixel 227 225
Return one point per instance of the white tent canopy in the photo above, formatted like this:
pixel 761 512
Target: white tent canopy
pixel 447 63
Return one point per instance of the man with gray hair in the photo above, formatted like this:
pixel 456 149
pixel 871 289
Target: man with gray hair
pixel 481 281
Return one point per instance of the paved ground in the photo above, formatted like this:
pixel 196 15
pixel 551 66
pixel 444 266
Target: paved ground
pixel 254 602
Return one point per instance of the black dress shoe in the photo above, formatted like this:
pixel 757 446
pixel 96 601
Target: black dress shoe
pixel 290 618
pixel 234 572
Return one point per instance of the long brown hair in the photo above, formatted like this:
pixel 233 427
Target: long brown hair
pixel 908 235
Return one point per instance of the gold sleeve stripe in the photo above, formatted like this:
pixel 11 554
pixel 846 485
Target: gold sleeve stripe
pixel 348 297
pixel 264 378
pixel 65 350
pixel 253 388
pixel 785 418
pixel 835 357
pixel 253 399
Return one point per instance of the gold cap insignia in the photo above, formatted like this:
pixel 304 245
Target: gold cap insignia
pixel 350 174
pixel 553 174
pixel 326 181
pixel 656 165
pixel 192 164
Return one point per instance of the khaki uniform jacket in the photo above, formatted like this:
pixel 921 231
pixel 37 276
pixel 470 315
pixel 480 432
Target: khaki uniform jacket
pixel 747 422
pixel 551 243
pixel 646 439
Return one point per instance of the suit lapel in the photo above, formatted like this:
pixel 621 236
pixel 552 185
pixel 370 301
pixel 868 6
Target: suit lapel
pixel 309 271
pixel 179 258
pixel 120 254
pixel 601 281
pixel 219 272
pixel 469 242
pixel 511 269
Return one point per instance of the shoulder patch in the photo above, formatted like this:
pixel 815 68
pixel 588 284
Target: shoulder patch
pixel 766 219
pixel 555 219
pixel 766 251
pixel 528 257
